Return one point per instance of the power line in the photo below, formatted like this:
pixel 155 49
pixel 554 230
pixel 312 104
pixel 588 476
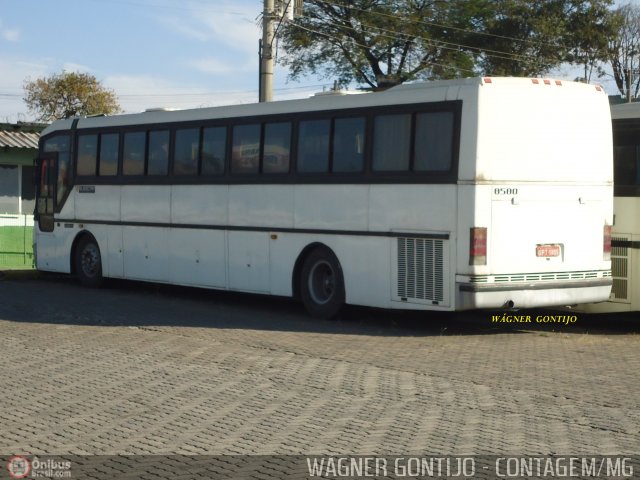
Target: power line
pixel 365 46
pixel 449 27
pixel 438 43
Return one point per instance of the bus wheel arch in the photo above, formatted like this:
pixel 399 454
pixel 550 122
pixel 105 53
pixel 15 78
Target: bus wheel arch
pixel 86 260
pixel 319 281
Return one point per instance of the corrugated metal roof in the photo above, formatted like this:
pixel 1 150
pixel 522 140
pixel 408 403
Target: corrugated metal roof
pixel 19 139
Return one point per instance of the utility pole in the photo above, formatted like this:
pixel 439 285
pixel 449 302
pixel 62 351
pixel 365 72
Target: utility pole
pixel 266 52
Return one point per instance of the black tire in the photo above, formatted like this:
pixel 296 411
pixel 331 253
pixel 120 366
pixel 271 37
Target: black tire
pixel 88 262
pixel 322 284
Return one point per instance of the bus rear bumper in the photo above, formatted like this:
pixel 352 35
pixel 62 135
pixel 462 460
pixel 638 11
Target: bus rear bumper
pixel 527 295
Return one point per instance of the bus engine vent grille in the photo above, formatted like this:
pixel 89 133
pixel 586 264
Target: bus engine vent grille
pixel 619 271
pixel 421 269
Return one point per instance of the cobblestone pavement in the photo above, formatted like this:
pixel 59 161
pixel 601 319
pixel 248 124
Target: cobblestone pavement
pixel 143 369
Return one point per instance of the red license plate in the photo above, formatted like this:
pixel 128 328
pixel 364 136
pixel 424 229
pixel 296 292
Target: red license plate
pixel 547 250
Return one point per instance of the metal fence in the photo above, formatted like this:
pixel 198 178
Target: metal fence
pixel 16 241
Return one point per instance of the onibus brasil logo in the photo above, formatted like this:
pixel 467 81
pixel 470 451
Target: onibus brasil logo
pixel 18 466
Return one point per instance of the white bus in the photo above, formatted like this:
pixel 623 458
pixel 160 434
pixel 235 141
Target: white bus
pixel 451 195
pixel 626 203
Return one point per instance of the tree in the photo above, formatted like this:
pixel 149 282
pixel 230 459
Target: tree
pixel 68 94
pixel 381 43
pixel 544 34
pixel 592 25
pixel 624 51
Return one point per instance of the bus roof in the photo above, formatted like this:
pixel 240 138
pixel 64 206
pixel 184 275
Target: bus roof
pixel 625 110
pixel 417 92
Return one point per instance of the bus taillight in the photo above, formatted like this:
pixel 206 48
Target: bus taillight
pixel 478 246
pixel 606 246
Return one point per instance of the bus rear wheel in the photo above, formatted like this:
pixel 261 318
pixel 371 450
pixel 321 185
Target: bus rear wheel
pixel 322 284
pixel 88 262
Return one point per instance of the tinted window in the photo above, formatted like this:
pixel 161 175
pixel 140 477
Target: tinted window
pixel 158 153
pixel 87 154
pixel 313 146
pixel 246 149
pixel 185 160
pixel 434 138
pixel 277 146
pixel 626 163
pixel 214 148
pixel 391 139
pixel 348 145
pixel 133 154
pixel 60 144
pixel 109 154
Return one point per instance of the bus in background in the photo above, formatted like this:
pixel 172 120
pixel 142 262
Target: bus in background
pixel 449 195
pixel 625 240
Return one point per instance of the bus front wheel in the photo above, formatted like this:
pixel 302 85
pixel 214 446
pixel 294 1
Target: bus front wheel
pixel 322 284
pixel 88 262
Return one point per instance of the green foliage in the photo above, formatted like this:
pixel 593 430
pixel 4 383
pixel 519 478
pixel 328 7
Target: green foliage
pixel 381 43
pixel 541 35
pixel 624 51
pixel 377 43
pixel 68 94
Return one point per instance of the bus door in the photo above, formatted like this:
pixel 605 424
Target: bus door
pixel 47 179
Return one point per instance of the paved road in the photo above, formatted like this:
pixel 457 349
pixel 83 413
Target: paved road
pixel 144 369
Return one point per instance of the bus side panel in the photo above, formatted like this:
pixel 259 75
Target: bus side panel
pixel 47 256
pixel 197 257
pixel 248 256
pixel 102 202
pixel 146 203
pixel 262 205
pixel 331 207
pixel 146 248
pixel 146 253
pixel 413 213
pixel 363 260
pixel 199 204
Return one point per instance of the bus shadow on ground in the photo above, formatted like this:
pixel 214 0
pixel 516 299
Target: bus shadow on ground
pixel 130 303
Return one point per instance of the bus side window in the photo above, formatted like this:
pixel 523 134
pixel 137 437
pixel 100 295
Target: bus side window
pixel 214 150
pixel 391 140
pixel 433 142
pixel 348 145
pixel 277 148
pixel 158 161
pixel 186 151
pixel 313 146
pixel 108 161
pixel 133 154
pixel 245 153
pixel 87 154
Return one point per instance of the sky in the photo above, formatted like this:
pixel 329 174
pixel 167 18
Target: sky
pixel 152 53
